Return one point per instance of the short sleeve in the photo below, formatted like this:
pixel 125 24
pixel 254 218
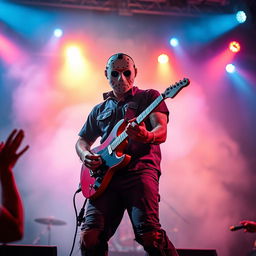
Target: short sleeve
pixel 162 107
pixel 90 130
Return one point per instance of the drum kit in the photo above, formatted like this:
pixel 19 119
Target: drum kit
pixel 49 222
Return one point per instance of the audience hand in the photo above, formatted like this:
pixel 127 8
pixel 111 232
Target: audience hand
pixel 8 150
pixel 250 226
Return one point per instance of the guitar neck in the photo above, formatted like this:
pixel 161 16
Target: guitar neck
pixel 119 139
pixel 149 109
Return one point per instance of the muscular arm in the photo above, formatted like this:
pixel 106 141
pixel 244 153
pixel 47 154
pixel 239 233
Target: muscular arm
pixel 157 135
pixel 83 149
pixel 158 121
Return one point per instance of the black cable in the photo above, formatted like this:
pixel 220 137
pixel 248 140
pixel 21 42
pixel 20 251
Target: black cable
pixel 79 219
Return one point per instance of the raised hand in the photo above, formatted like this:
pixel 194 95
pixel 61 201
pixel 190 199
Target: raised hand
pixel 8 150
pixel 249 226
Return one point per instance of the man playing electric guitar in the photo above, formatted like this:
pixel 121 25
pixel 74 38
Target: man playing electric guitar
pixel 134 184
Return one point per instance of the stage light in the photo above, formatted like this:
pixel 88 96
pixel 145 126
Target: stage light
pixel 241 16
pixel 174 42
pixel 75 66
pixel 234 46
pixel 230 68
pixel 74 57
pixel 163 58
pixel 58 32
pixel 73 52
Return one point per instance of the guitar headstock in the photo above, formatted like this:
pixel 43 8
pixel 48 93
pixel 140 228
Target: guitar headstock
pixel 173 90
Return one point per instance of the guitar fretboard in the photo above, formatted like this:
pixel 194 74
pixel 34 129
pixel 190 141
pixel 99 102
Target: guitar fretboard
pixel 149 109
pixel 119 139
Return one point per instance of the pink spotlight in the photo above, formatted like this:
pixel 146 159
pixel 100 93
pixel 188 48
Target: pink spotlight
pixel 9 51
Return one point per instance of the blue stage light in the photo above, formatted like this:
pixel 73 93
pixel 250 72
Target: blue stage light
pixel 241 16
pixel 230 68
pixel 174 42
pixel 58 32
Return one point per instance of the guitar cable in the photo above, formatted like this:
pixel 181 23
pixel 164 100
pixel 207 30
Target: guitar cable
pixel 79 218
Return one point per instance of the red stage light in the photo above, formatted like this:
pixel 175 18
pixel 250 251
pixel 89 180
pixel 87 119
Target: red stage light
pixel 234 47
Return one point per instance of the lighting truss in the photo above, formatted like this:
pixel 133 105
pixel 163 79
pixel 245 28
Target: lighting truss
pixel 131 7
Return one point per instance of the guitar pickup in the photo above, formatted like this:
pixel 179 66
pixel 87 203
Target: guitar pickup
pixel 110 151
pixel 97 183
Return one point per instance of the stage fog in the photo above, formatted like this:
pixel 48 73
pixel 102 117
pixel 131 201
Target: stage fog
pixel 208 161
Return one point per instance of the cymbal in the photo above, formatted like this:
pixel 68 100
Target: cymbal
pixel 50 221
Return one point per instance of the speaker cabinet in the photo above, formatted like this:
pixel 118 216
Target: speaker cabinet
pixel 196 252
pixel 181 252
pixel 129 253
pixel 27 250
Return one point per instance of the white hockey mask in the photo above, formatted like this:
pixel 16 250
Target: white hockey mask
pixel 120 72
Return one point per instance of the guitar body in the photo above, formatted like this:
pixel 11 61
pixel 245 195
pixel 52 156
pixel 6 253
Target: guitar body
pixel 93 184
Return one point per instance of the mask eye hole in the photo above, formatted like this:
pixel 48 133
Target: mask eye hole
pixel 127 73
pixel 114 73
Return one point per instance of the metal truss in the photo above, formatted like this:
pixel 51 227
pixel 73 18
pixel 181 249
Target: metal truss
pixel 130 7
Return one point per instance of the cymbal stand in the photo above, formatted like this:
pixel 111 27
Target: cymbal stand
pixel 43 232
